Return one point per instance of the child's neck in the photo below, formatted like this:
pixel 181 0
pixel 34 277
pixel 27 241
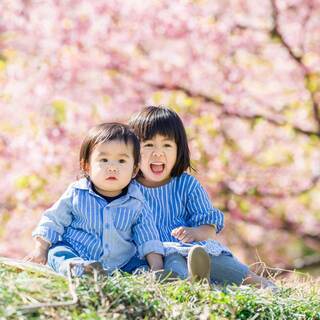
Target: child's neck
pixel 152 184
pixel 110 196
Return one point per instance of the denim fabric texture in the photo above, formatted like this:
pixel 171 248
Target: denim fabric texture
pixel 225 269
pixel 61 255
pixel 111 233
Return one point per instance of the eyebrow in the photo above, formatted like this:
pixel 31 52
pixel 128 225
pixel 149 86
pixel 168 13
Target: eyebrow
pixel 165 139
pixel 119 155
pixel 123 155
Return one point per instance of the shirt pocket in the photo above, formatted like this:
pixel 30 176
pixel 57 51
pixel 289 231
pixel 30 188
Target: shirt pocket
pixel 124 218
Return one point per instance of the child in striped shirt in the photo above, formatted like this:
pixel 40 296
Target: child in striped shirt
pixel 181 207
pixel 101 221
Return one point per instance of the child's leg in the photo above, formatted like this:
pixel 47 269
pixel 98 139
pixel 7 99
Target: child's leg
pixel 254 279
pixel 228 270
pixel 225 269
pixel 177 264
pixel 59 257
pixel 135 264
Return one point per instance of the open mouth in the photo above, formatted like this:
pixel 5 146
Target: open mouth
pixel 157 167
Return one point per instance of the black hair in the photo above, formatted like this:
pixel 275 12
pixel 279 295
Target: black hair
pixel 153 120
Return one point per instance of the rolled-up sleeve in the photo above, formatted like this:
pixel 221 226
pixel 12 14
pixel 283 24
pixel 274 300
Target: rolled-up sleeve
pixel 146 235
pixel 201 211
pixel 55 219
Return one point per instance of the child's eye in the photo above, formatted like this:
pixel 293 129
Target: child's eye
pixel 122 161
pixel 148 145
pixel 168 145
pixel 103 160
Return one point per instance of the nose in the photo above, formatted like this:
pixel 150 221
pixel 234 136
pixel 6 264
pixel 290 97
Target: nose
pixel 112 168
pixel 157 152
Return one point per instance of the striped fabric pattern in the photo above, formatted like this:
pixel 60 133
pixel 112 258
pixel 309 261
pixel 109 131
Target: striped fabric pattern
pixel 181 202
pixel 97 230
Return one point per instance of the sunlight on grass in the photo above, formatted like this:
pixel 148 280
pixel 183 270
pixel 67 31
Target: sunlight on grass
pixel 138 297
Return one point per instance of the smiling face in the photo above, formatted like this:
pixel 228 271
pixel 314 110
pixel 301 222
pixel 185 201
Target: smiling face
pixel 158 157
pixel 111 167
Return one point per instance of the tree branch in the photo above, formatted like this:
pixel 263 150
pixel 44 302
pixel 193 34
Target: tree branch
pixel 284 225
pixel 276 32
pixel 313 183
pixel 230 113
pixel 299 60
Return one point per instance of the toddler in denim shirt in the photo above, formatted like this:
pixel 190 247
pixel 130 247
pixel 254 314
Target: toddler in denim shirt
pixel 101 220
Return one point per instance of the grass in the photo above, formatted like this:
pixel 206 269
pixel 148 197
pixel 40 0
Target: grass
pixel 141 297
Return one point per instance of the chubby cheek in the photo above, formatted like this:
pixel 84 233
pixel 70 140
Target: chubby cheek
pixel 144 166
pixel 97 171
pixel 95 168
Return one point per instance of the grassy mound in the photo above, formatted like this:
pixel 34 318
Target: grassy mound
pixel 141 297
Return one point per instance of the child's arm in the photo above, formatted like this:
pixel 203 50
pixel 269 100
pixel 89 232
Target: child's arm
pixel 190 234
pixel 203 220
pixel 51 227
pixel 155 261
pixel 40 251
pixel 146 237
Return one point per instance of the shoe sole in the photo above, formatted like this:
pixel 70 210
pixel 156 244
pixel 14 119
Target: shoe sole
pixel 199 264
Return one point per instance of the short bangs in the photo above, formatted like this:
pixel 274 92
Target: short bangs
pixel 160 120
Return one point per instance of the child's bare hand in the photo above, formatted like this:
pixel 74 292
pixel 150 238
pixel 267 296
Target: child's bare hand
pixel 38 255
pixel 184 234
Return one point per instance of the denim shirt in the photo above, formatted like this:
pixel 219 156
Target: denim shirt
pixel 180 202
pixel 183 202
pixel 111 233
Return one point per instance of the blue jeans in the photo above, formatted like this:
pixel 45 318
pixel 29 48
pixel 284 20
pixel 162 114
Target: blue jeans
pixel 135 264
pixel 61 254
pixel 225 269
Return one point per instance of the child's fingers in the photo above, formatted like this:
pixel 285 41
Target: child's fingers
pixel 187 239
pixel 187 235
pixel 31 259
pixel 26 258
pixel 41 259
pixel 182 235
pixel 176 236
pixel 35 259
pixel 177 232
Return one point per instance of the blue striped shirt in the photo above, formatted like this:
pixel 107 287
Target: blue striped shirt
pixel 107 232
pixel 181 202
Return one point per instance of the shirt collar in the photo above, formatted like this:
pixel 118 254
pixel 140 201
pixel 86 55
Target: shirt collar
pixel 133 190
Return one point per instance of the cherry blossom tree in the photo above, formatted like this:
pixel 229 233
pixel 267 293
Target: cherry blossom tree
pixel 243 75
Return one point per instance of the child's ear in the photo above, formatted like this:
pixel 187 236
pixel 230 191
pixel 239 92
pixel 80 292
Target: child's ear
pixel 135 171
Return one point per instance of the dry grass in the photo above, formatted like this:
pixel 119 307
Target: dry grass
pixel 142 297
